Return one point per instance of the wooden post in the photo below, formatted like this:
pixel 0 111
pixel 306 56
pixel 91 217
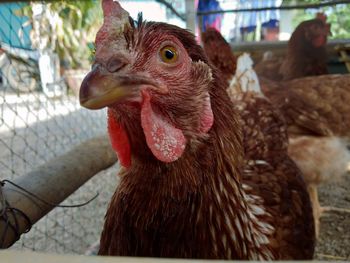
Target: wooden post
pixel 53 182
pixel 343 52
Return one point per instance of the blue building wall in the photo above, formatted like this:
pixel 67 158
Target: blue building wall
pixel 11 25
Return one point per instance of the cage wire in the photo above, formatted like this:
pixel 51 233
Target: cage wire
pixel 41 119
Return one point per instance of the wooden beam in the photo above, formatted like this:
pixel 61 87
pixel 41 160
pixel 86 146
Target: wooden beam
pixel 344 57
pixel 53 182
pixel 34 257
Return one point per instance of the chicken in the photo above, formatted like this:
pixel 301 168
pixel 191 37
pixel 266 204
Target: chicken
pixel 184 190
pixel 306 53
pixel 316 114
pixel 265 133
pixel 224 60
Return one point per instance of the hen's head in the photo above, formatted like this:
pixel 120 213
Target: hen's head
pixel 219 52
pixel 312 33
pixel 155 81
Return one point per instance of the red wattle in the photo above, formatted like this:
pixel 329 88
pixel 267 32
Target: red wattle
pixel 166 142
pixel 119 140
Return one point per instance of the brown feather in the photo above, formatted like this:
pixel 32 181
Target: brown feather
pixel 314 105
pixel 265 133
pixel 271 174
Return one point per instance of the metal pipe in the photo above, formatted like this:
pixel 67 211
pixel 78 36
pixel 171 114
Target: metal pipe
pixel 53 182
pixel 172 9
pixel 191 15
pixel 286 7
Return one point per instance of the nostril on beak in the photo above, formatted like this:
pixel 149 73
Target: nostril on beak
pixel 114 64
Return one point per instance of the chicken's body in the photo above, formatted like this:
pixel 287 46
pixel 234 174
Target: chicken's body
pixel 265 137
pixel 265 133
pixel 315 105
pixel 265 142
pixel 186 190
pixel 331 157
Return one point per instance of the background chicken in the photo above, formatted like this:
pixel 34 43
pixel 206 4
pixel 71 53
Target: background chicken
pixel 264 130
pixel 265 133
pixel 306 53
pixel 316 114
pixel 224 60
pixel 182 191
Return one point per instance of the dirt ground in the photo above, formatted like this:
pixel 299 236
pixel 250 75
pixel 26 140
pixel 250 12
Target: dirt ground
pixel 334 242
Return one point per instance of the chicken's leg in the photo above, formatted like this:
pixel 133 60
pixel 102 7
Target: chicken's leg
pixel 316 208
pixel 324 209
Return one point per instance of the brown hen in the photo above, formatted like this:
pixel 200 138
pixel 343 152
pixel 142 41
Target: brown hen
pixel 317 113
pixel 306 53
pixel 317 116
pixel 265 133
pixel 265 137
pixel 185 190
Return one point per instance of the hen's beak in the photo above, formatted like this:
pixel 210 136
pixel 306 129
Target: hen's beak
pixel 101 88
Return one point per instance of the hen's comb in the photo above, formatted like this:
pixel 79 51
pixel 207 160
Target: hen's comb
pixel 321 16
pixel 115 18
pixel 111 9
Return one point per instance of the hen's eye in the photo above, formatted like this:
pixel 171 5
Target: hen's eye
pixel 168 54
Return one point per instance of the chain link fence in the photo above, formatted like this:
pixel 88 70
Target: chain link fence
pixel 40 119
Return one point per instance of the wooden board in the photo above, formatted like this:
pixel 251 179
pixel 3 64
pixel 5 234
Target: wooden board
pixel 7 256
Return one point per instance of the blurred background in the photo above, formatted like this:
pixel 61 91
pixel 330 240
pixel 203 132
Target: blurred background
pixel 46 48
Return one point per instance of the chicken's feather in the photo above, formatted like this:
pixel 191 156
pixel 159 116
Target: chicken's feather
pixel 245 78
pixel 314 105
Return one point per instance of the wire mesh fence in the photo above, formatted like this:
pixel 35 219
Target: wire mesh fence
pixel 40 119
